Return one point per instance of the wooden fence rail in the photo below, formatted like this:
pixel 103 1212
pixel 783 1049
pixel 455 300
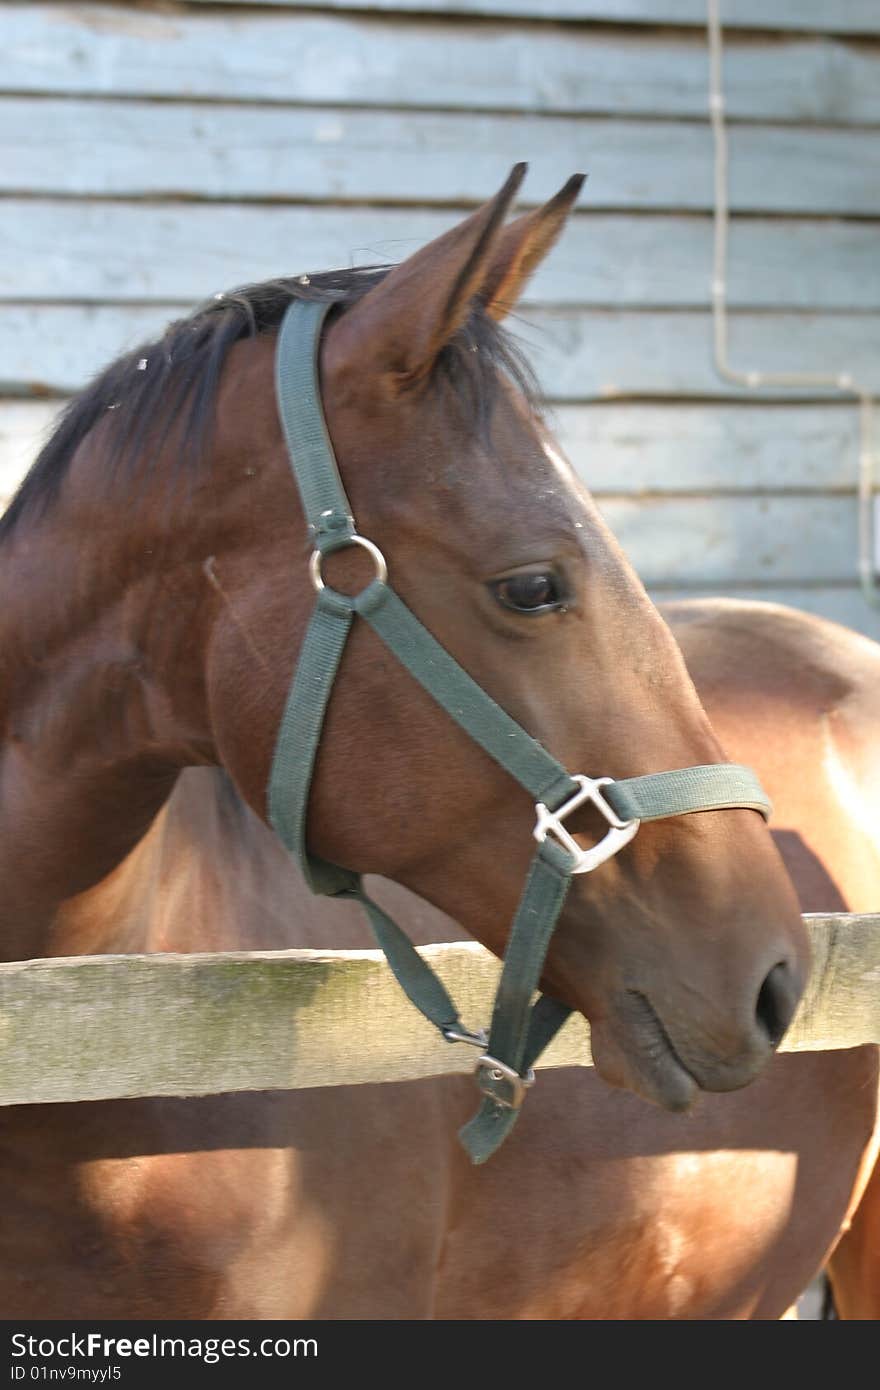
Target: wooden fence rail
pixel 104 1027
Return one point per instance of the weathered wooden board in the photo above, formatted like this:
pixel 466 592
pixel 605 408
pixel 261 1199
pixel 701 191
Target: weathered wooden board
pixel 593 353
pixel 625 447
pixel 57 249
pixel 745 539
pixel 841 16
pixel 641 447
pixel 377 61
pixel 838 603
pixel 579 354
pixel 92 1028
pixel 331 153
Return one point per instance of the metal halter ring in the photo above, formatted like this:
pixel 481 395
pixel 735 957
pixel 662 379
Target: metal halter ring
pixel 378 560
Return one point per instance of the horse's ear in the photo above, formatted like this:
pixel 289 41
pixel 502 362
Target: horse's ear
pixel 402 324
pixel 522 246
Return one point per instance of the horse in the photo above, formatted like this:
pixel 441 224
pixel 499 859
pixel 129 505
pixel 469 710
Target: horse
pixel 158 576
pixel 729 1211
pixel 624 1211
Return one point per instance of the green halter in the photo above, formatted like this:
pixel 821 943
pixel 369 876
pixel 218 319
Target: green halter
pixel 519 1030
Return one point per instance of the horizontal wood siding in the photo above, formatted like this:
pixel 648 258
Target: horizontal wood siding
pixel 379 61
pixel 330 154
pixel 151 157
pixel 836 16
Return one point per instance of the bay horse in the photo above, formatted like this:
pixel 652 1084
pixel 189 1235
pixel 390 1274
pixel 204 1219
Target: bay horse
pixel 729 1211
pixel 155 569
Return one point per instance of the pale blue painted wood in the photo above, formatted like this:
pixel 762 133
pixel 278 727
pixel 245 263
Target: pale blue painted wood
pixel 587 354
pixel 448 74
pixel 836 16
pixel 58 349
pixel 744 539
pixel 630 447
pixel 579 354
pixel 65 250
pixel 297 57
pixel 331 154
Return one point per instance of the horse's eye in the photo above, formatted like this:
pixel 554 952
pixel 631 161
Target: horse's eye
pixel 529 593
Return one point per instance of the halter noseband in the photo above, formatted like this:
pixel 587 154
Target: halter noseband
pixel 519 1030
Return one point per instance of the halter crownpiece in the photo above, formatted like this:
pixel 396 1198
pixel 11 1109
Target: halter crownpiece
pixel 520 1030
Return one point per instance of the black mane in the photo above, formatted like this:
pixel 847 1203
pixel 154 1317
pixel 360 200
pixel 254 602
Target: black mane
pixel 183 369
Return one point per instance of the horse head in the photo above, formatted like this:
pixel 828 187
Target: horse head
pixel 686 950
pixel 171 605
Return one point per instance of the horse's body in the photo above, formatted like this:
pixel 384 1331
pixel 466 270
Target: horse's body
pixel 800 699
pixel 148 640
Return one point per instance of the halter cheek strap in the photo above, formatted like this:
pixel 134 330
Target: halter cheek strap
pixel 519 1030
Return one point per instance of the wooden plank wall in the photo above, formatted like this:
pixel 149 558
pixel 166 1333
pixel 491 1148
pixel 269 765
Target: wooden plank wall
pixel 151 156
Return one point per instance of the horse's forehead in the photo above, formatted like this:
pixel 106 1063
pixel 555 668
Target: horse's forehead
pixel 539 488
pixel 563 483
pixel 510 472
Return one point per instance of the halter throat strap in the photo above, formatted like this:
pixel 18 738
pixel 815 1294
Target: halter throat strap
pixel 519 1029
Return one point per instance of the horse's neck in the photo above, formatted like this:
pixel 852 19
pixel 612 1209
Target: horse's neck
pixel 210 876
pixel 207 876
pixel 92 740
pixel 108 847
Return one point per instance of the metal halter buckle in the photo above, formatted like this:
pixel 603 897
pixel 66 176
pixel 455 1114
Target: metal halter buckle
pixel 620 832
pixel 489 1069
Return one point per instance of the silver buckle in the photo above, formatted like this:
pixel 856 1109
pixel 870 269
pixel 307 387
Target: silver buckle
pixel 619 834
pixel 490 1069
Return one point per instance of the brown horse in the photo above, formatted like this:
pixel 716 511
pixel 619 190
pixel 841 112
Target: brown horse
pixel 155 577
pixel 623 1211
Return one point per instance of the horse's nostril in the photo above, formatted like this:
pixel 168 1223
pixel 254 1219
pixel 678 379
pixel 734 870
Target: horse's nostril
pixel 777 1001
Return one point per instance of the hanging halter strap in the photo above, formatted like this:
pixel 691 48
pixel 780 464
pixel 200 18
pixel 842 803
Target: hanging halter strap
pixel 520 1030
